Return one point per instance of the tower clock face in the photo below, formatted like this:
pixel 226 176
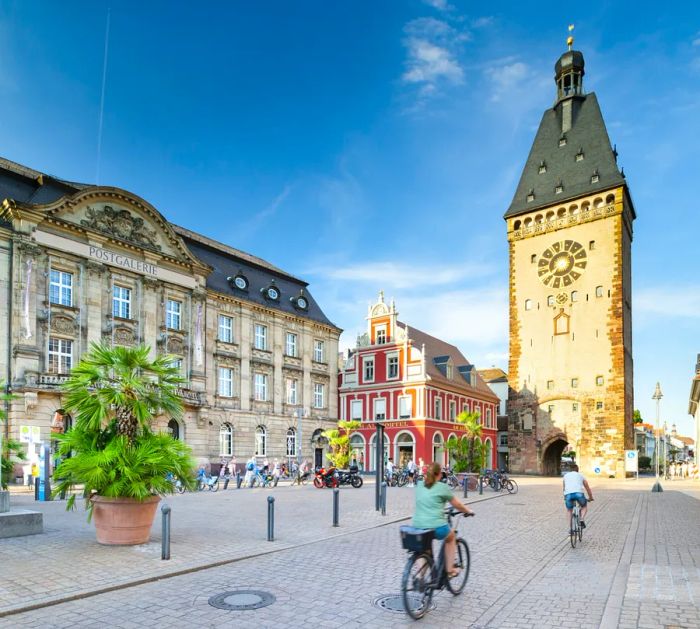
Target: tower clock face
pixel 562 263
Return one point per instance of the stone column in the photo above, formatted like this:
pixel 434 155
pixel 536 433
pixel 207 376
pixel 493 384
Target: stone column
pixel 245 345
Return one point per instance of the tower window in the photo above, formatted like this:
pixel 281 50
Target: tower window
pixel 550 384
pixel 599 406
pixel 574 295
pixel 574 406
pixel 550 409
pixel 598 291
pixel 591 245
pixel 543 167
pixel 533 258
pixel 550 300
pixel 562 140
pixel 579 155
pixel 531 195
pixel 528 304
pixel 574 383
pixel 599 381
pixel 595 178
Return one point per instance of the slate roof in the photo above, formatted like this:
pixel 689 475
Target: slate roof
pixel 588 133
pixel 440 351
pixel 493 375
pixel 22 184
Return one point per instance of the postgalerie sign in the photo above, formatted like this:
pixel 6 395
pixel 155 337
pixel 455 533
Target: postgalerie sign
pixel 113 258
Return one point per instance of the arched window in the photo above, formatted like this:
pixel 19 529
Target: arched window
pixel 405 446
pixel 438 449
pixel 291 443
pixel 226 440
pixel 174 429
pixel 528 304
pixel 488 453
pixel 261 441
pixel 574 295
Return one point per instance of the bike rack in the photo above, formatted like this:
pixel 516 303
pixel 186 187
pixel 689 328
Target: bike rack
pixel 336 506
pixel 165 537
pixel 270 518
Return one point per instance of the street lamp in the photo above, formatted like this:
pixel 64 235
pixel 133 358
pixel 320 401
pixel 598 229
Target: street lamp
pixel 657 396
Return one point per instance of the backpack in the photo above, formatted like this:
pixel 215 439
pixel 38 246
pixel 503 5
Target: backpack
pixel 250 466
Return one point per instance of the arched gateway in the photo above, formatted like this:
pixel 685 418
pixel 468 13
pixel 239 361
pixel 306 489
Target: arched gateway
pixel 551 457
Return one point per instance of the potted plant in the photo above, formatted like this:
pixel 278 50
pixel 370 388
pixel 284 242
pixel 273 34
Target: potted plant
pixel 114 395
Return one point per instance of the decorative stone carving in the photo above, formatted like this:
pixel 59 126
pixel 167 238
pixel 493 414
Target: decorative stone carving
pixel 123 336
pixel 122 224
pixel 175 345
pixel 62 325
pixel 31 398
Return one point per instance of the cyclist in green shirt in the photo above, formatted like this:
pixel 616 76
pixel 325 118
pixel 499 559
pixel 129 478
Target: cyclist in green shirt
pixel 431 496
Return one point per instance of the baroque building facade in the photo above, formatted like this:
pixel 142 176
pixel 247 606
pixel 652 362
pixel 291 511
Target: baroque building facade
pixel 82 264
pixel 570 235
pixel 414 385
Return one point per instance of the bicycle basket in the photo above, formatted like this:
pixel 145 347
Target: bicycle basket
pixel 416 540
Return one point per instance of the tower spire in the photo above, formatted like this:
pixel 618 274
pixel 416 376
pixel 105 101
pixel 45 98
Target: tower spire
pixel 570 38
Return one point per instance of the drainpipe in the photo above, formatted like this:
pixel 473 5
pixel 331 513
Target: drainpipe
pixel 8 387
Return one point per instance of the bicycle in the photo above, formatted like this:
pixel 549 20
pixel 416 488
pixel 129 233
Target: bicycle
pixel 421 576
pixel 576 531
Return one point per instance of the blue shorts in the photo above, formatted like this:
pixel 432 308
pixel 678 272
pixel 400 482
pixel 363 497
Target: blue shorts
pixel 441 532
pixel 569 499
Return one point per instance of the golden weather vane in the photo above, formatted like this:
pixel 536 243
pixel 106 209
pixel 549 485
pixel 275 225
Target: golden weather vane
pixel 570 38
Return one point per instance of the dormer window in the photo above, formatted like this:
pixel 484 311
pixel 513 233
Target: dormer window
pixel 579 155
pixel 531 195
pixel 543 167
pixel 271 292
pixel 594 177
pixel 240 281
pixel 562 140
pixel 559 188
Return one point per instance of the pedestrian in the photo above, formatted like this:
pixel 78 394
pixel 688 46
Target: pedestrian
pixel 389 470
pixel 684 469
pixel 672 469
pixel 276 472
pixel 249 472
pixel 411 467
pixel 361 462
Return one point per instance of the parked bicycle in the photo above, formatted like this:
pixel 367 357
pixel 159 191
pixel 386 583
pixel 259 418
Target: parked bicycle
pixel 208 482
pixel 422 576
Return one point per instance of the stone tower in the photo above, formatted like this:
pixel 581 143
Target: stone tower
pixel 570 234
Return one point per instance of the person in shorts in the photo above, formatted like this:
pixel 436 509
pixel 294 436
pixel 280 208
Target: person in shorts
pixel 574 485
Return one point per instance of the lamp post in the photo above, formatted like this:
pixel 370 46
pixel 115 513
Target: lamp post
pixel 657 396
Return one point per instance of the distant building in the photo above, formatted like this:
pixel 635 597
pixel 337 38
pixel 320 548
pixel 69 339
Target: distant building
pixel 497 380
pixel 82 263
pixel 415 385
pixel 694 407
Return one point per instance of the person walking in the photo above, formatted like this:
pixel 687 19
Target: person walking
pixel 389 471
pixel 411 468
pixel 249 472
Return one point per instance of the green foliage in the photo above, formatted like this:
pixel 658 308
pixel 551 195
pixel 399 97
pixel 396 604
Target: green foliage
pixel 114 394
pixel 468 453
pixel 644 462
pixel 637 417
pixel 339 441
pixel 571 453
pixel 12 450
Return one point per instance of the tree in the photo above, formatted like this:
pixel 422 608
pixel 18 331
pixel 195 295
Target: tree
pixel 465 454
pixel 12 450
pixel 637 417
pixel 339 441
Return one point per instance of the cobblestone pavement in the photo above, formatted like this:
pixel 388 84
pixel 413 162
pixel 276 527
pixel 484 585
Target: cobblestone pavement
pixel 636 567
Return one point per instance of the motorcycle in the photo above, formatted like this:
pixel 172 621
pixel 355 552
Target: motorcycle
pixel 326 478
pixel 350 477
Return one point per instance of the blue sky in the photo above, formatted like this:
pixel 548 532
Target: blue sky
pixel 371 145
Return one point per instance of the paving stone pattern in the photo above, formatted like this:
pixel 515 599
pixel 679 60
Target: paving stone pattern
pixel 636 567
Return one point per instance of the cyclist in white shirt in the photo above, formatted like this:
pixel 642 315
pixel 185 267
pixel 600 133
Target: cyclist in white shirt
pixel 574 484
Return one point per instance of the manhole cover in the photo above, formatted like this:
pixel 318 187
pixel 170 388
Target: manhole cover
pixel 242 600
pixel 394 602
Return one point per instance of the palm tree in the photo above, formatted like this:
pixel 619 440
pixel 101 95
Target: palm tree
pixel 472 427
pixel 122 384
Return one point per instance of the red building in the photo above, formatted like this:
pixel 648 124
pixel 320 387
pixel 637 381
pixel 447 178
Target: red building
pixel 416 385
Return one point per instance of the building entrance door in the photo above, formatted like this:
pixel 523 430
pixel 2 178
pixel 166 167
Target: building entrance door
pixel 318 457
pixel 551 458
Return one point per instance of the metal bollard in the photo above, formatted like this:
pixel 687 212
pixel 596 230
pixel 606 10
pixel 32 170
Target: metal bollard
pixel 165 537
pixel 481 485
pixel 270 518
pixel 239 480
pixel 466 482
pixel 382 497
pixel 336 506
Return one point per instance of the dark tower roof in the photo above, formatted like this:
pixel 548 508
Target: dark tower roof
pixel 571 155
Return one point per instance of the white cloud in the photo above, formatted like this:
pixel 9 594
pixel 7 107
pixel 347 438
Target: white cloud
pixel 507 77
pixel 483 22
pixel 440 5
pixel 259 218
pixel 399 276
pixel 668 302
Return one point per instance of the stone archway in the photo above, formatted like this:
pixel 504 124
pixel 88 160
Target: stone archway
pixel 551 457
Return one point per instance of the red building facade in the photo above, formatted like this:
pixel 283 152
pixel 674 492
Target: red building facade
pixel 415 385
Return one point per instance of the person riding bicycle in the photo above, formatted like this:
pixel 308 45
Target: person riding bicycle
pixel 574 484
pixel 431 497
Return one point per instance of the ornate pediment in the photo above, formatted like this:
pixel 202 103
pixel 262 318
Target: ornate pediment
pixel 121 223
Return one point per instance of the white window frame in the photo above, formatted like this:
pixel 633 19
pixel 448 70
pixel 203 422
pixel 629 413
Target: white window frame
pixel 380 336
pixel 173 314
pixel 177 363
pixel 389 359
pixel 405 407
pixel 226 439
pixel 319 351
pixel 291 443
pixel 292 387
pixel 260 387
pixel 449 371
pixel 60 355
pixel 377 404
pixel 319 395
pixel 489 416
pixel 260 337
pixel 354 415
pixel 225 328
pixel 367 361
pixel 225 381
pixel 291 343
pixel 261 441
pixel 121 301
pixel 60 287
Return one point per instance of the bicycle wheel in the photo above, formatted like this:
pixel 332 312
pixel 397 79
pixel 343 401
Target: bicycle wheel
pixel 401 480
pixel 511 486
pixel 304 479
pixel 456 584
pixel 214 486
pixel 493 484
pixel 573 534
pixel 416 588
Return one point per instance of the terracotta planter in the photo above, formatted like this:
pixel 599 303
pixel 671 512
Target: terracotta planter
pixel 123 521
